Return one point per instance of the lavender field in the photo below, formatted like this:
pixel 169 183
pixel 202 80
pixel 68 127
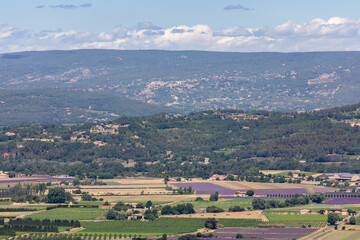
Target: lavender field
pixel 35 179
pixel 206 188
pixel 210 188
pixel 342 201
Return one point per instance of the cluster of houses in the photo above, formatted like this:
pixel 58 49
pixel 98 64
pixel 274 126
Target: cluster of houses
pixel 341 177
pixel 343 212
pixel 221 177
pixel 137 216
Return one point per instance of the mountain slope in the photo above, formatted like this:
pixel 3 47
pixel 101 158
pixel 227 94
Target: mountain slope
pixel 57 106
pixel 192 80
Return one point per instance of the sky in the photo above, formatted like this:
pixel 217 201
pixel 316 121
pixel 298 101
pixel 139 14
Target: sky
pixel 209 25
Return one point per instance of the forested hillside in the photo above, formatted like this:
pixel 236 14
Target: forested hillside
pixel 194 145
pixel 57 106
pixel 185 81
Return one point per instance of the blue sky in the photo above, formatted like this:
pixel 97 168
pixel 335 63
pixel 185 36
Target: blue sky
pixel 216 25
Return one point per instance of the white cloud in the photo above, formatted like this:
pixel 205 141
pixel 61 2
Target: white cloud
pixel 334 34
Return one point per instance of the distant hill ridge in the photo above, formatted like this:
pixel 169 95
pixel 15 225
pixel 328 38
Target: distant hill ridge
pixel 171 81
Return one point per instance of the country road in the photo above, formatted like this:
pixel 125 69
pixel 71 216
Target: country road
pixel 327 230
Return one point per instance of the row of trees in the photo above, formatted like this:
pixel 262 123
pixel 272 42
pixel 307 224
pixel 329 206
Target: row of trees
pixel 44 222
pixel 259 203
pixel 187 208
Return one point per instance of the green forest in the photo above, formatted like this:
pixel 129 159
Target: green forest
pixel 194 145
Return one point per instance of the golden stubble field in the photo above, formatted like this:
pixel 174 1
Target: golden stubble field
pixel 231 215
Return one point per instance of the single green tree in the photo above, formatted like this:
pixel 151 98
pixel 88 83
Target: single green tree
pixel 332 218
pixel 111 215
pixel 214 197
pixel 56 195
pixel 250 193
pixel 352 220
pixel 148 204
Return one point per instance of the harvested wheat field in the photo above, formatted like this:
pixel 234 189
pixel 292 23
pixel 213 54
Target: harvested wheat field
pixel 157 198
pixel 232 215
pixel 128 191
pixel 136 181
pixel 17 214
pixel 266 172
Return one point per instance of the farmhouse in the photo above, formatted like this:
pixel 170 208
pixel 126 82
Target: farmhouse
pixel 217 177
pixel 304 211
pixel 106 207
pixel 341 177
pixel 241 193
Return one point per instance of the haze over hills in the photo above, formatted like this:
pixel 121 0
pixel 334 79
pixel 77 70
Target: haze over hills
pixel 170 81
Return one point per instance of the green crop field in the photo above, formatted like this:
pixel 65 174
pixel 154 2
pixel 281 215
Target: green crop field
pixel 242 202
pixel 70 214
pixel 90 203
pixel 298 220
pixel 223 203
pixel 295 217
pixel 312 207
pixel 160 226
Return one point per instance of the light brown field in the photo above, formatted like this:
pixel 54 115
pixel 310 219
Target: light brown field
pixel 16 214
pixel 254 185
pixel 233 215
pixel 137 181
pixel 166 198
pixel 266 172
pixel 340 234
pixel 129 186
pixel 117 191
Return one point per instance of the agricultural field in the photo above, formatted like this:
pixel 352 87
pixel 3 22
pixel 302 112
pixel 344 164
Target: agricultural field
pixel 342 201
pixel 141 190
pixel 230 187
pixel 257 185
pixel 70 214
pixel 341 234
pixel 222 203
pixel 129 186
pixel 263 233
pixel 297 221
pixel 153 198
pixel 313 207
pixel 160 226
pixel 230 215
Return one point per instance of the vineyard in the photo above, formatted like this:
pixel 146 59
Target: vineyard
pixel 298 221
pixel 160 226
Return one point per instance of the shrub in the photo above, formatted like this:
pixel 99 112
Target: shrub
pixel 214 209
pixel 352 220
pixel 214 197
pixel 250 193
pixel 238 235
pixel 211 223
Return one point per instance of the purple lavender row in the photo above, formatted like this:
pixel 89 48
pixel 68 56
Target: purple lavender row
pixel 206 188
pixel 342 201
pixel 245 234
pixel 210 188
